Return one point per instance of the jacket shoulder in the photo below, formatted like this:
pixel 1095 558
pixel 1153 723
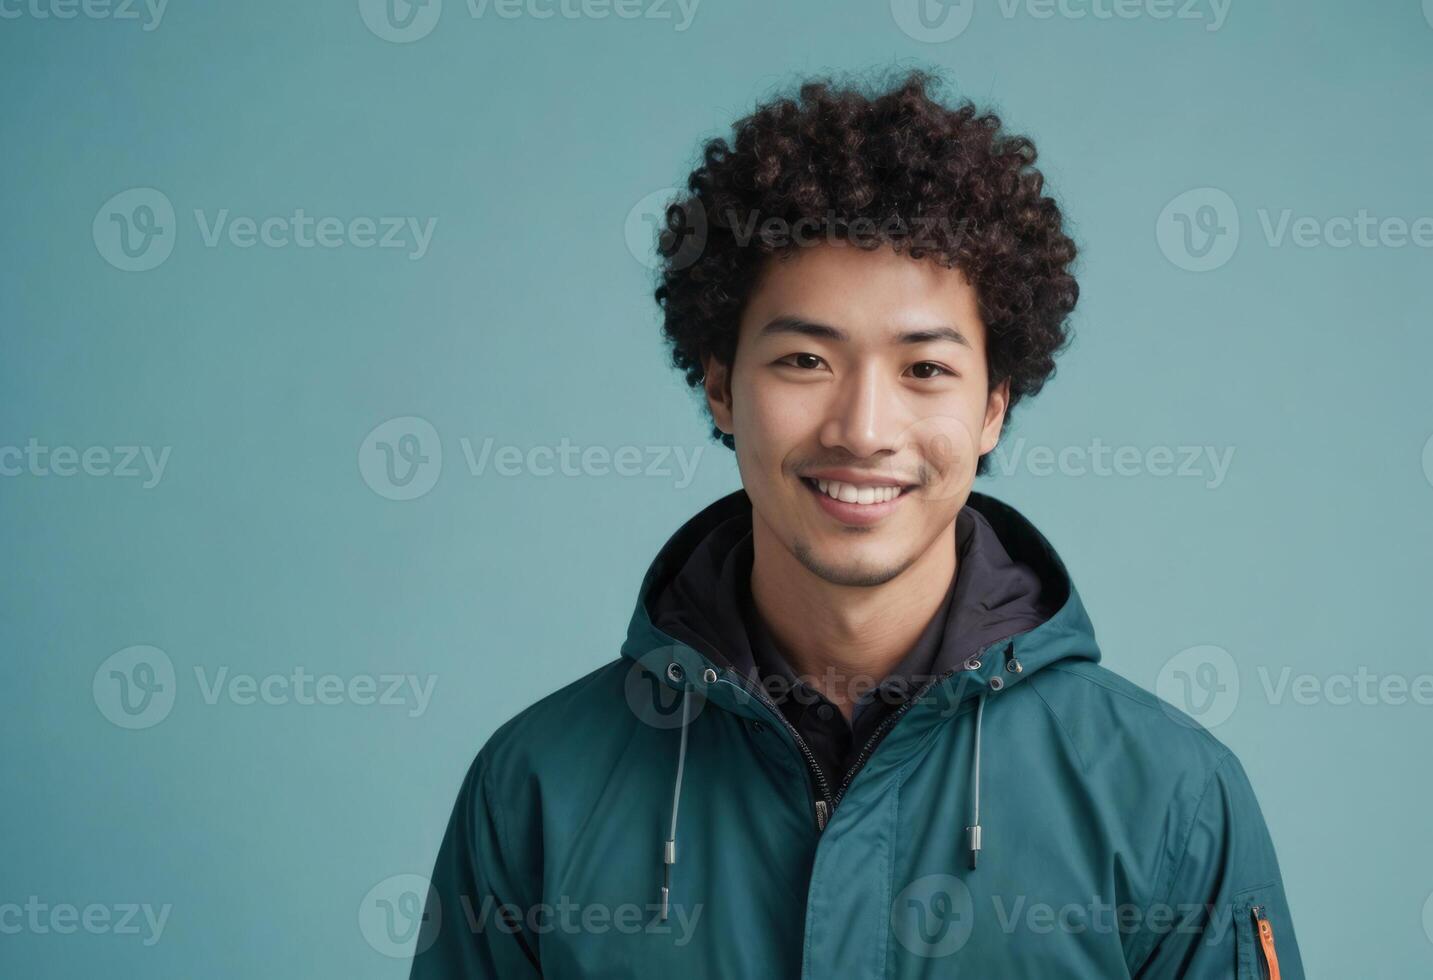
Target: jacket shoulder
pixel 564 724
pixel 1103 713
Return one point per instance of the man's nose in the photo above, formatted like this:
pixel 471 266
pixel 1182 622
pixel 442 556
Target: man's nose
pixel 865 416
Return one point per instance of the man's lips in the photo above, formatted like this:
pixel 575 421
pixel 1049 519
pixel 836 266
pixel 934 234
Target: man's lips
pixel 882 499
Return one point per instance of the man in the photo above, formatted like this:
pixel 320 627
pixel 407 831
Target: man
pixel 858 727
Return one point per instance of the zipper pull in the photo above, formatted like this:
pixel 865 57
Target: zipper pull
pixel 1266 940
pixel 823 813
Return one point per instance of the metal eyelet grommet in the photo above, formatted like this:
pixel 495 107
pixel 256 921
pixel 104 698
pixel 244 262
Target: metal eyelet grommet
pixel 996 683
pixel 709 676
pixel 1014 666
pixel 674 671
pixel 973 663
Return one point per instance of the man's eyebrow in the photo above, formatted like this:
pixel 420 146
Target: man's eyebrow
pixel 823 331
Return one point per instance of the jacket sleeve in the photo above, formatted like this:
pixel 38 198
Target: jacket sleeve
pixel 473 925
pixel 1225 915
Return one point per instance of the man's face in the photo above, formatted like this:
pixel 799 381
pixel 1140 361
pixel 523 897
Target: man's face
pixel 865 371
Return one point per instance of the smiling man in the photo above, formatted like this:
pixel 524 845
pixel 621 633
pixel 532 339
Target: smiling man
pixel 858 727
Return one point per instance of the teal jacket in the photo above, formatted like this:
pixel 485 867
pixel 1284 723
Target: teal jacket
pixel 1028 814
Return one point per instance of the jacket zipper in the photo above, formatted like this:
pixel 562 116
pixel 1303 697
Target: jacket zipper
pixel 825 807
pixel 821 807
pixel 1266 940
pixel 880 733
pixel 1011 664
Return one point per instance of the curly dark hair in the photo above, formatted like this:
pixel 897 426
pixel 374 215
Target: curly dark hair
pixel 890 167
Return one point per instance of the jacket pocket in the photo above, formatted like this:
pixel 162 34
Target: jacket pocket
pixel 1257 944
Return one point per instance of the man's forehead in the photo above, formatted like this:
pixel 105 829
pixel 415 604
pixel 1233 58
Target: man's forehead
pixel 858 289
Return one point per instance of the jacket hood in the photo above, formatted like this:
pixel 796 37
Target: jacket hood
pixel 707 604
pixel 1037 629
pixel 1015 640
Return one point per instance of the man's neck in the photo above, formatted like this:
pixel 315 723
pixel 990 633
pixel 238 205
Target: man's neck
pixel 844 639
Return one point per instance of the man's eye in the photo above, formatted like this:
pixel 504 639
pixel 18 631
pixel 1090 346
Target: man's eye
pixel 932 365
pixel 806 361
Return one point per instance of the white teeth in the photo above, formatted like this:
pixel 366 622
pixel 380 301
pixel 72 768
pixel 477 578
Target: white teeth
pixel 852 494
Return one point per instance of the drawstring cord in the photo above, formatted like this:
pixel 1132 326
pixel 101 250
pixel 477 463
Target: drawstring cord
pixel 974 828
pixel 669 847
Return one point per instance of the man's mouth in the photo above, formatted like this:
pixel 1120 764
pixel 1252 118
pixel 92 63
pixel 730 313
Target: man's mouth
pixel 856 504
pixel 855 493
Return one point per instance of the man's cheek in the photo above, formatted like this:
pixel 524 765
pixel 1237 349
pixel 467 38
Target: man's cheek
pixel 950 450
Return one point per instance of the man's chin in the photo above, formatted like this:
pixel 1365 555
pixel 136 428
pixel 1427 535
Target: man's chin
pixel 848 567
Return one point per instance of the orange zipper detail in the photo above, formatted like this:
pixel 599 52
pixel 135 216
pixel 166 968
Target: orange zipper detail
pixel 1266 941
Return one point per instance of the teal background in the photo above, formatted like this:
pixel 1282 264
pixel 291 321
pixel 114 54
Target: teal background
pixel 529 320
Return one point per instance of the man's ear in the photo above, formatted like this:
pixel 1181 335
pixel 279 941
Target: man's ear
pixel 995 405
pixel 717 382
